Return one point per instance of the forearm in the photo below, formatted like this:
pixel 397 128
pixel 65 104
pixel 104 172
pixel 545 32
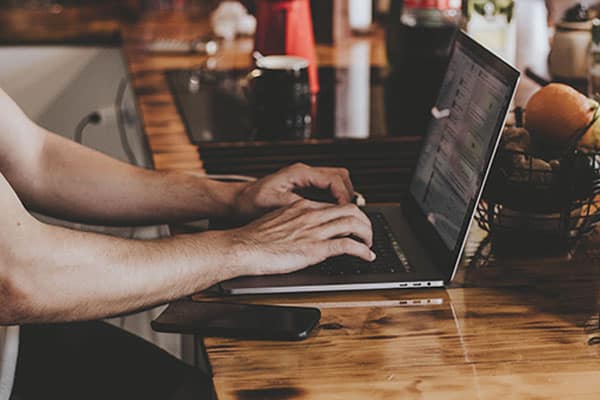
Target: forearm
pixel 62 275
pixel 77 183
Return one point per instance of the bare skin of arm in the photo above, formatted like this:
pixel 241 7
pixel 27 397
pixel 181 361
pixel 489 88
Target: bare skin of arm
pixel 49 273
pixel 58 177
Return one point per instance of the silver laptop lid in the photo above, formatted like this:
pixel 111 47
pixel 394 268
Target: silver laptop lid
pixel 458 149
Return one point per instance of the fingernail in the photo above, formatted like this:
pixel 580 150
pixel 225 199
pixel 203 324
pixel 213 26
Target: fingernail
pixel 373 256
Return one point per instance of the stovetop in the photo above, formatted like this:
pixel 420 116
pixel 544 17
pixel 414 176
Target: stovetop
pixel 357 102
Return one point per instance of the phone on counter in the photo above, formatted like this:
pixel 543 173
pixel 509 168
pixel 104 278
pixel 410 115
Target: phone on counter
pixel 239 321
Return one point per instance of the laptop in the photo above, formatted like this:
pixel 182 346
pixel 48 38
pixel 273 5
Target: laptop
pixel 419 242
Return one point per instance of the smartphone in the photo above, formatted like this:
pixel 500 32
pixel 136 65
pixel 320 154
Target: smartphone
pixel 240 321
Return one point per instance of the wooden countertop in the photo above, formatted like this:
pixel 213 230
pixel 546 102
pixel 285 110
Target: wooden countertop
pixel 168 141
pixel 505 329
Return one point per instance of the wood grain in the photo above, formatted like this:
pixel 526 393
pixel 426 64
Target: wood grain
pixel 168 141
pixel 517 329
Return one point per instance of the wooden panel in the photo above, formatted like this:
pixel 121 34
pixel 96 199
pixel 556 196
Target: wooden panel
pixel 380 169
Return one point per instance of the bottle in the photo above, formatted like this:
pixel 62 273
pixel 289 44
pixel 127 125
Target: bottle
pixel 594 62
pixel 419 38
pixel 360 15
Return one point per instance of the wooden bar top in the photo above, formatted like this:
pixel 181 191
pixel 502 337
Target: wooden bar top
pixel 505 329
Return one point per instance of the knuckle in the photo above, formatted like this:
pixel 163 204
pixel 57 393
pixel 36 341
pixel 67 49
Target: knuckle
pixel 302 203
pixel 312 216
pixel 344 172
pixel 294 207
pixel 299 166
pixel 335 247
pixel 351 208
pixel 324 249
pixel 346 245
pixel 338 180
pixel 353 223
pixel 322 234
pixel 307 204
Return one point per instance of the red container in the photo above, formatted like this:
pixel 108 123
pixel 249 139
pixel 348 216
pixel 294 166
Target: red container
pixel 285 27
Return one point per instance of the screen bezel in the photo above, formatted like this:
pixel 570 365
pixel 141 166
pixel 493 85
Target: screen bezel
pixel 446 260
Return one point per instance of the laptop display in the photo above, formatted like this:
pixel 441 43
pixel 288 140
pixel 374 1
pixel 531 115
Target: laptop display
pixel 451 166
pixel 461 140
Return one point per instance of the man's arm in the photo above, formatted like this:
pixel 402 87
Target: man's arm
pixel 61 178
pixel 49 273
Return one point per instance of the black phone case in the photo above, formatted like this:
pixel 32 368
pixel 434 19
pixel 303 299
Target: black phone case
pixel 186 317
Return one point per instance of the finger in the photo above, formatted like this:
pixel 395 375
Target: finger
pixel 297 206
pixel 327 214
pixel 300 209
pixel 309 205
pixel 346 226
pixel 338 247
pixel 345 175
pixel 303 176
pixel 336 185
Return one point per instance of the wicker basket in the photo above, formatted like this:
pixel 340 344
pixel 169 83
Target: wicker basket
pixel 528 209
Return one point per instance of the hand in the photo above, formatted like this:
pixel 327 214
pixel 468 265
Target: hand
pixel 300 235
pixel 276 190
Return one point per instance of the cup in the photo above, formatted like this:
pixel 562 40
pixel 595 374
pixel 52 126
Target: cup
pixel 285 27
pixel 280 97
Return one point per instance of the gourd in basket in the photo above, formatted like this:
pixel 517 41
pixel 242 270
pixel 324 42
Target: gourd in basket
pixel 545 181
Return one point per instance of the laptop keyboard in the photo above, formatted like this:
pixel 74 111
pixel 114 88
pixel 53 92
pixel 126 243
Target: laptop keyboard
pixel 390 257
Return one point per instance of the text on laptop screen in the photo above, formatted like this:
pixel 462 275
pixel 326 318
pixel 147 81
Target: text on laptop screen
pixel 452 163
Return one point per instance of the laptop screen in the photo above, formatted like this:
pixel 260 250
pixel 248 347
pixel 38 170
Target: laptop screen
pixel 461 139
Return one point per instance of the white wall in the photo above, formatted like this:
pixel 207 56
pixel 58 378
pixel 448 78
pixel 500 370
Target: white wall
pixel 57 86
pixel 35 76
